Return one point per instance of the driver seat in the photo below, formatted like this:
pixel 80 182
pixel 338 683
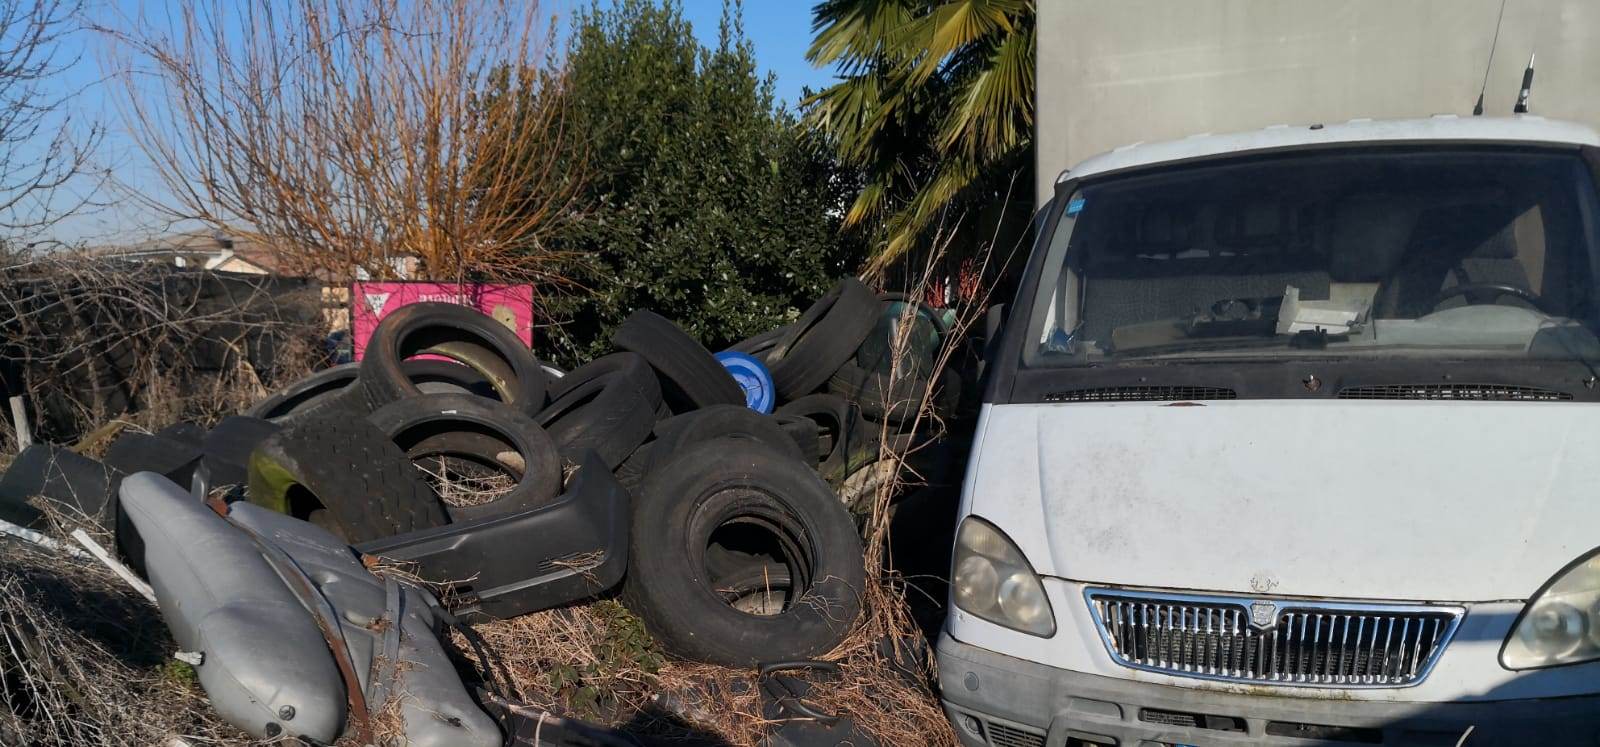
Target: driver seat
pixel 1493 267
pixel 1450 247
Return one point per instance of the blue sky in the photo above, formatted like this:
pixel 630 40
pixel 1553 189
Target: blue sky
pixel 780 31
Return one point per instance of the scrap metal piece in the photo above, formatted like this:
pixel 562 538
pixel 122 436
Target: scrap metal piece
pixel 261 650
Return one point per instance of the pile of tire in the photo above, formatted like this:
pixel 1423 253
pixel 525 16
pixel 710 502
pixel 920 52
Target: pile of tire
pixel 741 551
pixel 747 501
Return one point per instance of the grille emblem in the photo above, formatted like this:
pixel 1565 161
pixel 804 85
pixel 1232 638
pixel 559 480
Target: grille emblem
pixel 1263 614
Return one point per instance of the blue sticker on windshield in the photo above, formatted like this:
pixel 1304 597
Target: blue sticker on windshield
pixel 1075 206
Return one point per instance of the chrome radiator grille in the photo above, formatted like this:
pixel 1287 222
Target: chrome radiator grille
pixel 1273 641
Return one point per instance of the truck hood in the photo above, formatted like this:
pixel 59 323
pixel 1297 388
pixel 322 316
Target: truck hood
pixel 1427 501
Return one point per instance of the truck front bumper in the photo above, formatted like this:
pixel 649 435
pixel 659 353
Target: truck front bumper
pixel 999 701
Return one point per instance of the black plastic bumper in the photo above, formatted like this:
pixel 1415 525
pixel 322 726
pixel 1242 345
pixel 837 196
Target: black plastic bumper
pixel 504 566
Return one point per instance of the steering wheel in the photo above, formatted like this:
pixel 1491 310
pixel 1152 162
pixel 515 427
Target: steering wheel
pixel 1487 293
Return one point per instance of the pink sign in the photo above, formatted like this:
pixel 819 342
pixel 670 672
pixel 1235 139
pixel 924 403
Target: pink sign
pixel 370 302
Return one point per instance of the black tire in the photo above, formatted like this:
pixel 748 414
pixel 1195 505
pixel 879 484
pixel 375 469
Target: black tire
pixel 605 405
pixel 448 377
pixel 715 488
pixel 345 475
pixel 141 452
pixel 691 377
pixel 851 441
pixel 331 389
pixel 721 421
pixel 632 368
pixel 460 334
pixel 227 448
pixel 630 474
pixel 805 433
pixel 325 388
pixel 755 589
pixel 463 430
pixel 824 337
pixel 762 344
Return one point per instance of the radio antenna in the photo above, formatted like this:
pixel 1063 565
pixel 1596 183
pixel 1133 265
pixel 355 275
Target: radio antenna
pixel 1477 109
pixel 1527 88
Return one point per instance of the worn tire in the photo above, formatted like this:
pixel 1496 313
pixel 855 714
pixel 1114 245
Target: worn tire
pixel 326 388
pixel 805 433
pixel 822 339
pixel 630 474
pixel 331 389
pixel 691 377
pixel 448 377
pixel 345 475
pixel 762 344
pixel 634 369
pixel 608 405
pixel 475 430
pixel 729 484
pixel 460 334
pixel 721 421
pixel 849 439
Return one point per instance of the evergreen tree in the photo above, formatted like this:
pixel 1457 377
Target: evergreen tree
pixel 698 198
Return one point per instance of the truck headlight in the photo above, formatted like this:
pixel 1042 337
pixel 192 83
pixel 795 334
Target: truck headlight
pixel 993 581
pixel 1561 624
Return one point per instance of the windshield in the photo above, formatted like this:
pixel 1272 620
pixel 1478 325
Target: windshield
pixel 1460 253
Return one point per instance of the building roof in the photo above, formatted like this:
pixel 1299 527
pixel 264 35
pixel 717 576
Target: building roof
pixel 199 248
pixel 1522 128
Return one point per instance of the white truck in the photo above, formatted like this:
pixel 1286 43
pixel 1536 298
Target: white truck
pixel 1292 437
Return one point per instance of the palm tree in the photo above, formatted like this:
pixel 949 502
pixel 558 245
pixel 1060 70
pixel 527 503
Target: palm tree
pixel 935 101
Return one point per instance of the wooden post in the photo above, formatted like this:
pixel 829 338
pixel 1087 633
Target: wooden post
pixel 19 416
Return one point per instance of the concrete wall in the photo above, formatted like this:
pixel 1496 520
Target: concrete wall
pixel 1113 72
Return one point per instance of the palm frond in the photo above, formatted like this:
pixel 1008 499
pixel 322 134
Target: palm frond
pixel 956 25
pixel 993 110
pixel 868 204
pixel 935 95
pixel 854 33
pixel 908 224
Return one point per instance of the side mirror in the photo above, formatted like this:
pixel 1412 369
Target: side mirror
pixel 993 321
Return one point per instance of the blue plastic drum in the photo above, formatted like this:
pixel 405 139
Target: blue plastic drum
pixel 753 377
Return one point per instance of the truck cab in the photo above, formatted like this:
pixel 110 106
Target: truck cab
pixel 1292 437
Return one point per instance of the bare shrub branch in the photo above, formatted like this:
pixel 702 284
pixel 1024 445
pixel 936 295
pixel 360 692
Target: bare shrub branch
pixel 92 340
pixel 43 152
pixel 354 134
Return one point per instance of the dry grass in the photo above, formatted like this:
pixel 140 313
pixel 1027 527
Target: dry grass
pixel 596 662
pixel 84 661
pixel 461 483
